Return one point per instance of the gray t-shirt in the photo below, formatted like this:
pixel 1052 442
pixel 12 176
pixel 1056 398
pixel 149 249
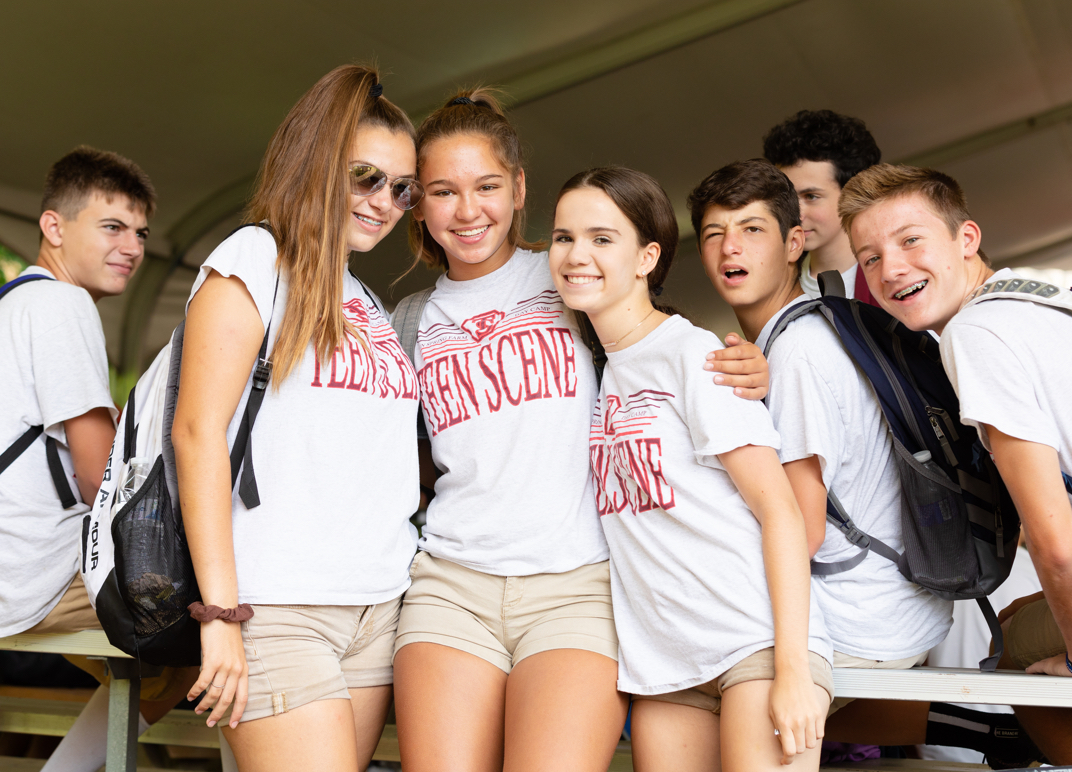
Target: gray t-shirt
pixel 823 406
pixel 687 575
pixel 53 367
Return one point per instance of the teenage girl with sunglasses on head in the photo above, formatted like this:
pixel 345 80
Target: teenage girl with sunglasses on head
pixel 321 562
pixel 506 650
pixel 709 560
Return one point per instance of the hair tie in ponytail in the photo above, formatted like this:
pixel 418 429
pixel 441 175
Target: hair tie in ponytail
pixel 462 100
pixel 657 291
pixel 376 91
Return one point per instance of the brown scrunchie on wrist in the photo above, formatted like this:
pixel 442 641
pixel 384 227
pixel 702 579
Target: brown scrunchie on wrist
pixel 203 613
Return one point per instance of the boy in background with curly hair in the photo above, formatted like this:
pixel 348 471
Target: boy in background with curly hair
pixel 820 151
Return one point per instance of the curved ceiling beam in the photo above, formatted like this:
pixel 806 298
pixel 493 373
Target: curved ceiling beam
pixel 632 47
pixel 984 140
pixel 206 215
pixel 154 272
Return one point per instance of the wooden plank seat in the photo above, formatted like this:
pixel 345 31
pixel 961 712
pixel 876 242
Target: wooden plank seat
pixel 37 715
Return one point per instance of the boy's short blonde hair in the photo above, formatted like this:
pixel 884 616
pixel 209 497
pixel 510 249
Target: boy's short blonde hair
pixel 882 182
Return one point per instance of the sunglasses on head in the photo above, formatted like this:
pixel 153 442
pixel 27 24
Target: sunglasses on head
pixel 366 179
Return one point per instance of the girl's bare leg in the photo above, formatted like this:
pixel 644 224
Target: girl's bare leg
pixel 748 740
pixel 563 711
pixel 449 705
pixel 674 738
pixel 319 735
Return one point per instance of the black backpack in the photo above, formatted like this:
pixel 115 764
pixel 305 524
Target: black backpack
pixel 136 561
pixel 960 527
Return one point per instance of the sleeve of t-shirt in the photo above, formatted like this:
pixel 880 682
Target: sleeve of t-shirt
pixel 993 385
pixel 718 420
pixel 248 254
pixel 70 362
pixel 807 414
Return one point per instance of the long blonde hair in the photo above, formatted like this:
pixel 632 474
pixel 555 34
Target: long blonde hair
pixel 483 116
pixel 303 192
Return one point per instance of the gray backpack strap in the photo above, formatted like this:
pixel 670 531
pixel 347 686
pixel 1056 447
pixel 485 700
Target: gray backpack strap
pixel 1022 289
pixel 787 319
pixel 839 518
pixel 407 320
pixel 831 284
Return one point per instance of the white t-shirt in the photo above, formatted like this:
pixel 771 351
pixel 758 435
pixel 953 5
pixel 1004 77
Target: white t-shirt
pixel 824 406
pixel 1010 363
pixel 507 387
pixel 335 453
pixel 810 284
pixel 687 577
pixel 53 366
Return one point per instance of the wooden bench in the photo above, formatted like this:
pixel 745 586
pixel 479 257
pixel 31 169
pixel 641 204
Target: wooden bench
pixel 55 717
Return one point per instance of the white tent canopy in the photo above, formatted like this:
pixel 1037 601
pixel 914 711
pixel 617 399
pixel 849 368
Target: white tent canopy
pixel 979 88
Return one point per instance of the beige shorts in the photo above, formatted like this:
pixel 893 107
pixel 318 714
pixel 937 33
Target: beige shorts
pixel 73 614
pixel 300 654
pixel 503 619
pixel 1034 635
pixel 754 667
pixel 848 660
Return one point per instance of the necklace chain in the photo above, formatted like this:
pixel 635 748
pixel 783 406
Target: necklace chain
pixel 616 342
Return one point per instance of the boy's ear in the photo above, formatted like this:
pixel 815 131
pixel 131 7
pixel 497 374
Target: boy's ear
pixel 794 243
pixel 970 237
pixel 51 223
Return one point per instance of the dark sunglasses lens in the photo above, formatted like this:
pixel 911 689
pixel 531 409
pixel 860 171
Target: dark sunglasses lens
pixel 366 180
pixel 406 193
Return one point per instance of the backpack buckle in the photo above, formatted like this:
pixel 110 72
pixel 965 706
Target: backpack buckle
pixel 858 537
pixel 262 373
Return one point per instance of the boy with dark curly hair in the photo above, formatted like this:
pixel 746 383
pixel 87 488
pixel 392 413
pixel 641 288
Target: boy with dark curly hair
pixel 820 151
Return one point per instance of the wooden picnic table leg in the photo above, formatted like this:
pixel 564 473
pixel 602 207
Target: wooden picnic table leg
pixel 123 693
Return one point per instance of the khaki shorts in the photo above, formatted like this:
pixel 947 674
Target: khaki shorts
pixel 754 667
pixel 503 619
pixel 1033 635
pixel 848 660
pixel 73 614
pixel 300 654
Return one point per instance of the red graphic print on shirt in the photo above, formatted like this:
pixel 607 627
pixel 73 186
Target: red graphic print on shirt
pixel 386 372
pixel 483 325
pixel 620 444
pixel 496 360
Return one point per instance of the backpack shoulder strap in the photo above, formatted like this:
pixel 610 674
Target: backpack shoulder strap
pixel 406 320
pixel 1022 289
pixel 839 518
pixel 371 295
pixel 18 281
pixel 26 439
pixel 787 318
pixel 831 284
pixel 242 452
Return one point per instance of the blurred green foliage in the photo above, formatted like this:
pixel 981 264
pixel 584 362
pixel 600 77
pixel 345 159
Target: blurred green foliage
pixel 11 264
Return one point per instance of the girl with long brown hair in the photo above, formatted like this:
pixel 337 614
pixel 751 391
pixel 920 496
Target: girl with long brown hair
pixel 506 649
pixel 302 588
